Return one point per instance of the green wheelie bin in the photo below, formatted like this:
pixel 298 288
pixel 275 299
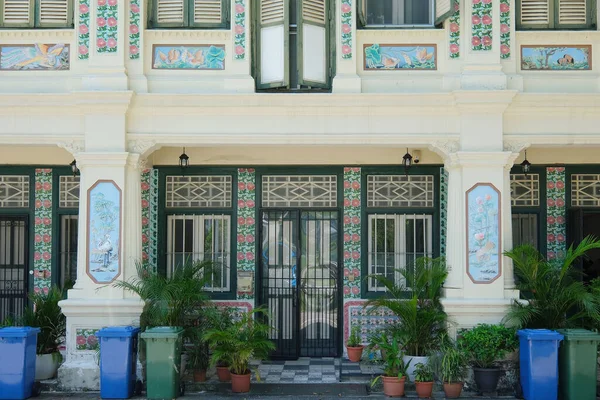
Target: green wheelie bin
pixel 163 362
pixel 577 361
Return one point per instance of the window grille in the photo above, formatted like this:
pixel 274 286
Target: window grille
pixel 316 191
pixel 68 248
pixel 400 191
pixel 14 191
pixel 525 229
pixel 585 190
pixel 199 191
pixel 525 190
pixel 69 191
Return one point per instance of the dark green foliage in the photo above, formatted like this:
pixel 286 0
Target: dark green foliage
pixel 486 344
pixel 354 338
pixel 557 297
pixel 423 373
pixel 394 365
pixel 450 363
pixel 46 315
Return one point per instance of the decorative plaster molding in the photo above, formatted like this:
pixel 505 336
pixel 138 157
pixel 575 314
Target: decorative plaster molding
pixel 73 146
pixel 141 146
pixel 41 34
pixel 214 34
pixel 515 146
pixel 444 148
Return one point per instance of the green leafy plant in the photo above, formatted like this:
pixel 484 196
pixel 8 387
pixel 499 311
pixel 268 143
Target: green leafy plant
pixel 246 339
pixel 219 319
pixel 421 320
pixel 394 365
pixel 354 338
pixel 450 362
pixel 556 296
pixel 423 373
pixel 47 315
pixel 486 344
pixel 198 357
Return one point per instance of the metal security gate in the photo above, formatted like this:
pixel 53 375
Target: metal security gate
pixel 299 280
pixel 13 265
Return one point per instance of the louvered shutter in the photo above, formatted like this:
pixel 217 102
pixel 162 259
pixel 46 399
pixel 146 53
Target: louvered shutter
pixel 273 44
pixel 55 13
pixel 17 13
pixel 535 14
pixel 170 13
pixel 362 12
pixel 572 14
pixel 443 10
pixel 209 13
pixel 313 43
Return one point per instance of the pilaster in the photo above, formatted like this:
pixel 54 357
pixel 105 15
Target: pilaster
pixel 346 79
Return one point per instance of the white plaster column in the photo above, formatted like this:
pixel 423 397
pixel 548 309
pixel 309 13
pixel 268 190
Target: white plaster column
pixel 507 237
pixel 240 79
pixel 346 79
pixel 454 254
pixel 132 209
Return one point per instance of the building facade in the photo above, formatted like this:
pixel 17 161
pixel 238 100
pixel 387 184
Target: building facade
pixel 295 117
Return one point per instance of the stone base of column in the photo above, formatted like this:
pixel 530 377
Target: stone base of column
pixel 81 368
pixel 467 313
pixel 483 77
pixel 346 83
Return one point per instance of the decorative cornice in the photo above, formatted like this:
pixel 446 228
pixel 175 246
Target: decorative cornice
pixel 515 146
pixel 444 148
pixel 142 147
pixel 73 146
pixel 214 34
pixel 37 33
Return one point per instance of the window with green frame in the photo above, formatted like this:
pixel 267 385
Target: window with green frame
pixel 378 14
pixel 556 14
pixel 525 204
pixel 36 13
pixel 202 14
pixel 68 227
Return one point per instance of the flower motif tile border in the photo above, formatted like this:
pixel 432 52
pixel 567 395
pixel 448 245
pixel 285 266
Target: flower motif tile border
pixel 346 13
pixel 134 29
pixel 504 29
pixel 556 209
pixel 149 217
pixel 352 232
pixel 83 34
pixel 443 210
pixel 454 39
pixel 107 21
pixel 481 25
pixel 240 30
pixel 42 255
pixel 246 225
pixel 86 339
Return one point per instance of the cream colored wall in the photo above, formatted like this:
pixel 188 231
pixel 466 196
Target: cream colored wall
pixel 25 155
pixel 562 155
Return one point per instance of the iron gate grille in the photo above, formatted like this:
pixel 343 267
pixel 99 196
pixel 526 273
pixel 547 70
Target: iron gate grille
pixel 13 266
pixel 300 280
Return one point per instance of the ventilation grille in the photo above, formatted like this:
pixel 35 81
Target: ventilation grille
pixel 271 11
pixel 170 11
pixel 314 11
pixel 54 11
pixel 572 12
pixel 535 12
pixel 207 11
pixel 16 12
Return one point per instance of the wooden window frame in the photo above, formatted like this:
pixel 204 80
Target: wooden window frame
pixel 188 17
pixel 34 9
pixel 554 18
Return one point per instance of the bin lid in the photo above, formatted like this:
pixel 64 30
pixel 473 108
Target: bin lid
pixel 540 334
pixel 164 332
pixel 579 334
pixel 118 331
pixel 18 331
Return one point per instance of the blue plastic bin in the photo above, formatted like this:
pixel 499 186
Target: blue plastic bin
pixel 17 361
pixel 539 363
pixel 118 358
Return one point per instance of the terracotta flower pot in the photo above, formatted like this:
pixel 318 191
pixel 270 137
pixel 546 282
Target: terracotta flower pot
pixel 453 390
pixel 200 375
pixel 393 386
pixel 223 374
pixel 355 353
pixel 424 389
pixel 240 383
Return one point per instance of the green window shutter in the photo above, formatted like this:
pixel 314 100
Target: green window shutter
pixel 55 13
pixel 273 44
pixel 313 43
pixel 443 10
pixel 572 14
pixel 17 13
pixel 169 13
pixel 361 9
pixel 535 14
pixel 209 13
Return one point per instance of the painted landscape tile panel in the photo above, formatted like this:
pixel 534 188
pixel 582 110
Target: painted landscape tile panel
pixel 189 57
pixel 556 58
pixel 34 57
pixel 400 57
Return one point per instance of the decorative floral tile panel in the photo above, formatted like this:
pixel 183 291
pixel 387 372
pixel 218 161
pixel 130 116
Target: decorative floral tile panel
pixel 134 29
pixel 346 13
pixel 107 20
pixel 352 232
pixel 240 30
pixel 239 307
pixel 454 39
pixel 556 213
pixel 481 25
pixel 42 255
pixel 246 225
pixel 504 29
pixel 83 31
pixel 86 340
pixel 149 217
pixel 368 321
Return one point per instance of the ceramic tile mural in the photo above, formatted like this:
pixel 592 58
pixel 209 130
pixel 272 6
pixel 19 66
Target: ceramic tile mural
pixel 134 29
pixel 443 210
pixel 556 58
pixel 240 29
pixel 149 217
pixel 556 209
pixel 483 233
pixel 454 39
pixel 400 57
pixel 107 16
pixel 246 226
pixel 346 14
pixel 86 339
pixel 188 57
pixel 34 57
pixel 504 29
pixel 42 248
pixel 352 232
pixel 368 321
pixel 239 307
pixel 481 25
pixel 83 34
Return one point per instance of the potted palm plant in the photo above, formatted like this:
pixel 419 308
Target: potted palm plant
pixel 354 345
pixel 415 301
pixel 220 319
pixel 246 339
pixel 394 370
pixel 423 380
pixel 452 366
pixel 485 345
pixel 197 354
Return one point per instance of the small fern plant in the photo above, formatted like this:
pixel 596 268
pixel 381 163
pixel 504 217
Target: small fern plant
pixel 354 338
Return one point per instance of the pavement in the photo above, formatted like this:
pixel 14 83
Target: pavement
pixel 218 396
